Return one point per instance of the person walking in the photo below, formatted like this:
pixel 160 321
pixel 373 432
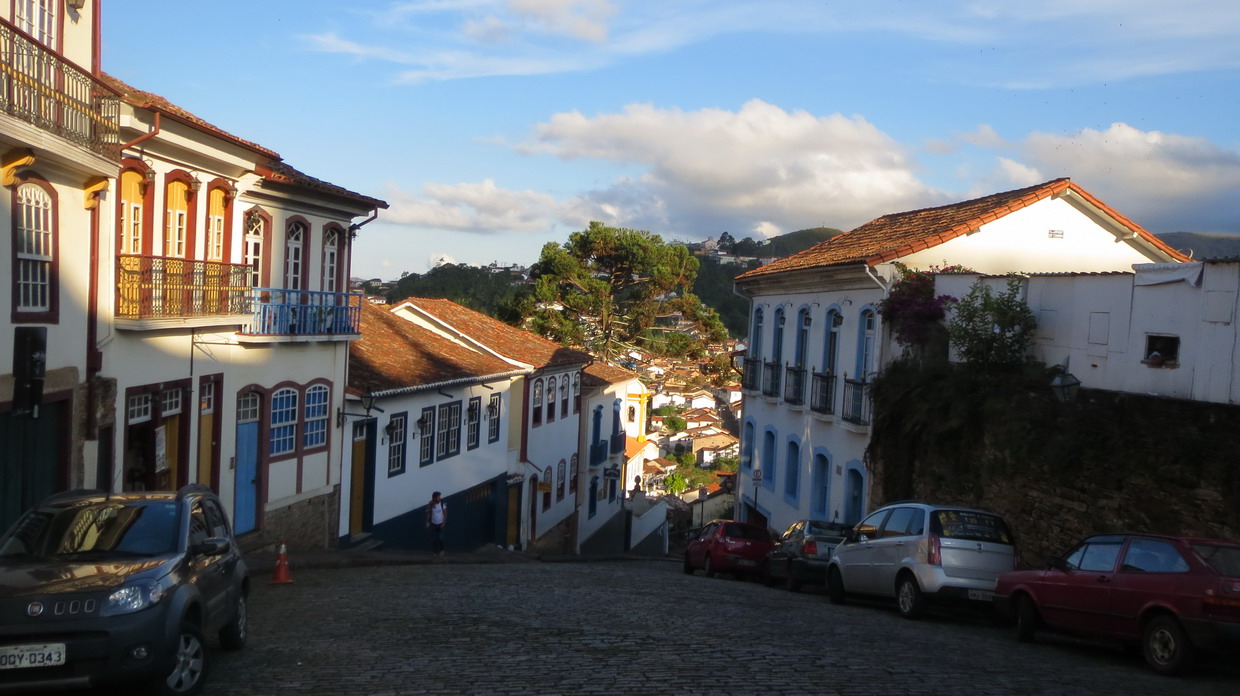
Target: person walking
pixel 436 518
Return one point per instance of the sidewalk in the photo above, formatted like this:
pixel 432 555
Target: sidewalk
pixel 264 562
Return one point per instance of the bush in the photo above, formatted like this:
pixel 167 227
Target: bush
pixel 991 328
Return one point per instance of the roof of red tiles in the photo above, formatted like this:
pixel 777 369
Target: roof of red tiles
pixel 508 341
pixel 395 353
pixel 276 170
pixel 599 374
pixel 899 234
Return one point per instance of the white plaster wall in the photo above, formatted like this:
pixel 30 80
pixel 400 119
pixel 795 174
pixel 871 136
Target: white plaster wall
pixel 550 442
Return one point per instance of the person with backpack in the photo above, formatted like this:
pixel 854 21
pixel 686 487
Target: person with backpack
pixel 436 518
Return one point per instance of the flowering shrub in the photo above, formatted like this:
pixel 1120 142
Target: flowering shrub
pixel 911 308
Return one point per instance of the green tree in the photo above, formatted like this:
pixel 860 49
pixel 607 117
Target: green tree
pixel 674 424
pixel 470 286
pixel 990 328
pixel 726 242
pixel 726 464
pixel 675 483
pixel 610 289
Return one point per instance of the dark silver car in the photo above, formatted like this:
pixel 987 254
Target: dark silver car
pixel 800 555
pixel 101 588
pixel 918 553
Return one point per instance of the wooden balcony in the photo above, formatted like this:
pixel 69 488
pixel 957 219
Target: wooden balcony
pixel 155 292
pixel 42 88
pixel 304 314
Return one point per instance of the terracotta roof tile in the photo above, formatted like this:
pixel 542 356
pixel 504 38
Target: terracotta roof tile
pixel 395 353
pixel 599 374
pixel 899 234
pixel 508 341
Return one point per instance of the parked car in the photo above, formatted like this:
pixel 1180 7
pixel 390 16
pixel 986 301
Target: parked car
pixel 99 588
pixel 920 553
pixel 800 555
pixel 724 545
pixel 1170 595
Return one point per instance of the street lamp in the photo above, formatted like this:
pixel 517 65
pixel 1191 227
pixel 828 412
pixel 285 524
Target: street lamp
pixel 1064 384
pixel 368 403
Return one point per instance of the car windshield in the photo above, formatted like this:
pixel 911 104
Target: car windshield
pixel 111 528
pixel 743 531
pixel 970 526
pixel 1224 559
pixel 825 529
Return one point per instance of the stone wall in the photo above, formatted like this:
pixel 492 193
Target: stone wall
pixel 306 524
pixel 1105 463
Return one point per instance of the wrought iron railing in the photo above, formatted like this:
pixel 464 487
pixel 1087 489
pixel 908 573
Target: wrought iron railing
pixel 857 401
pixel 39 86
pixel 280 312
pixel 822 393
pixel 157 287
pixel 617 443
pixel 598 452
pixel 794 385
pixel 770 379
pixel 751 379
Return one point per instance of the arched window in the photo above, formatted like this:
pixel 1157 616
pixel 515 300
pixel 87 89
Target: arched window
pixel 176 219
pixel 576 392
pixel 564 396
pixel 294 244
pixel 803 326
pixel 755 336
pixel 747 435
pixel 792 470
pixel 132 233
pixel 550 399
pixel 315 430
pixel 331 259
pixel 217 207
pixel 820 487
pixel 548 482
pixel 572 474
pixel 768 459
pixel 34 261
pixel 831 348
pixel 536 409
pixel 256 226
pixel 560 480
pixel 777 338
pixel 283 422
pixel 865 356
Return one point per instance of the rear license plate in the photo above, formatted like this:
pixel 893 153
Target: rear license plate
pixel 19 656
pixel 981 595
pixel 745 562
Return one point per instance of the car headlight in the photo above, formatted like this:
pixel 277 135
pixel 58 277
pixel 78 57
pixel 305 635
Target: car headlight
pixel 134 596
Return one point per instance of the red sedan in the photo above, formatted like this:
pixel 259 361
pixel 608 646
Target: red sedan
pixel 724 545
pixel 1170 595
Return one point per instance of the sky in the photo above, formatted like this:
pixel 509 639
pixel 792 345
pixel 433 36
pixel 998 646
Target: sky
pixel 492 127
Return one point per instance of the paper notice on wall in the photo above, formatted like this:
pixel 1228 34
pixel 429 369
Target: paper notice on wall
pixel 161 450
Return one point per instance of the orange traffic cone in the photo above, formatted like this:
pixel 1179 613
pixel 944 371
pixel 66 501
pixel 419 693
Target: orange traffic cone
pixel 281 576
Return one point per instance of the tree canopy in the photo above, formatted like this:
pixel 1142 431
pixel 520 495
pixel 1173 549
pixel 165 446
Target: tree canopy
pixel 610 289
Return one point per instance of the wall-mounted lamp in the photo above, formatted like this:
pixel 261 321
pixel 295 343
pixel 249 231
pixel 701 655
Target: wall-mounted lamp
pixel 1064 385
pixel 390 429
pixel 368 403
pixel 473 411
pixel 493 410
pixel 424 425
pixel 194 184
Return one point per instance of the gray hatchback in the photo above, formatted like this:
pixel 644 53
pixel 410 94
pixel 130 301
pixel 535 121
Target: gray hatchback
pixel 918 553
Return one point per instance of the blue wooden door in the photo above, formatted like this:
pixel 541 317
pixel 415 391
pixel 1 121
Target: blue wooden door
pixel 855 488
pixel 245 500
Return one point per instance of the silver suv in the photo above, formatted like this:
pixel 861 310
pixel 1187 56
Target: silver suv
pixel 919 553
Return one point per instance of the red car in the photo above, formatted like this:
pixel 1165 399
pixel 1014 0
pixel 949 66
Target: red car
pixel 1172 596
pixel 724 545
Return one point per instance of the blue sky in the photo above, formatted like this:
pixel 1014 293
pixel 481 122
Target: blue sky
pixel 495 126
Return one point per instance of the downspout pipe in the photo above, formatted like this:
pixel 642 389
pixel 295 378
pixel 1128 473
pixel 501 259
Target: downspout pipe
pixel 145 137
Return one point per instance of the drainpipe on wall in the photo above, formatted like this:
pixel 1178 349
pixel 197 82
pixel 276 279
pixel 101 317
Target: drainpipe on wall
pixel 145 137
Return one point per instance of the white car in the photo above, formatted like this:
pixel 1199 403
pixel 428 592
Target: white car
pixel 918 553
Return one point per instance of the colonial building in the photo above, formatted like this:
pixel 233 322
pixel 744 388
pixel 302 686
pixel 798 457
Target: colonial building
pixel 816 338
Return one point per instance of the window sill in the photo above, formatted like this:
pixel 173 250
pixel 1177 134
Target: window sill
pixel 1161 364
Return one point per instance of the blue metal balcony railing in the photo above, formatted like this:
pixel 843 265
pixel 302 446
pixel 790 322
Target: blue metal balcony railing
pixel 822 393
pixel 617 443
pixel 598 452
pixel 751 379
pixel 857 401
pixel 794 385
pixel 279 312
pixel 770 379
pixel 40 87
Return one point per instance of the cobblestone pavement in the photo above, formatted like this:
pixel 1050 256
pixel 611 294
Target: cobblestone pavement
pixel 639 627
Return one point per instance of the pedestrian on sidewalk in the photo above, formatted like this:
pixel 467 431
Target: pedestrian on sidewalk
pixel 436 518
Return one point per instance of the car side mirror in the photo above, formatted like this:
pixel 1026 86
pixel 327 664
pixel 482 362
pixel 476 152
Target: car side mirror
pixel 211 547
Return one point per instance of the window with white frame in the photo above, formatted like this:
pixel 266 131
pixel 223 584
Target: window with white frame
pixel 548 485
pixel 248 407
pixel 449 431
pixel 206 398
pixel 255 229
pixel 138 408
pixel 283 422
pixel 314 431
pixel 331 255
pixel 493 418
pixel 398 428
pixel 35 249
pixel 866 360
pixel 536 410
pixel 576 392
pixel 550 399
pixel 426 429
pixel 38 19
pixel 473 422
pixel 176 217
pixel 170 402
pixel 215 225
pixel 561 475
pixel 564 396
pixel 294 243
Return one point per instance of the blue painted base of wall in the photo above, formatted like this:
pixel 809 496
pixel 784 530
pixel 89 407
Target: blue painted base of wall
pixel 476 517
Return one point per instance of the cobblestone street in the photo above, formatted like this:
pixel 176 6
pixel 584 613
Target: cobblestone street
pixel 638 627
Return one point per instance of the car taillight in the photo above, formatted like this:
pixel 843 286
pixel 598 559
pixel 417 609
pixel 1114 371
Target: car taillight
pixel 811 548
pixel 1225 601
pixel 936 551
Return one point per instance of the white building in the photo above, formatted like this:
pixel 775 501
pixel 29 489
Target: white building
pixel 816 337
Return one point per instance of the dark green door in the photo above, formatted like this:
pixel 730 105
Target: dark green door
pixel 31 462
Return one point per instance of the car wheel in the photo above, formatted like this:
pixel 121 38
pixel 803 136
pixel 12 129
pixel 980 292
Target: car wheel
pixel 1165 645
pixel 835 586
pixel 189 664
pixel 234 633
pixel 709 569
pixel 909 599
pixel 688 566
pixel 792 582
pixel 1026 619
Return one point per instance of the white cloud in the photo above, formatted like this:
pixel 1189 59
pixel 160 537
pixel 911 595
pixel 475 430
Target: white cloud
pixel 581 19
pixel 472 207
pixel 1164 181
